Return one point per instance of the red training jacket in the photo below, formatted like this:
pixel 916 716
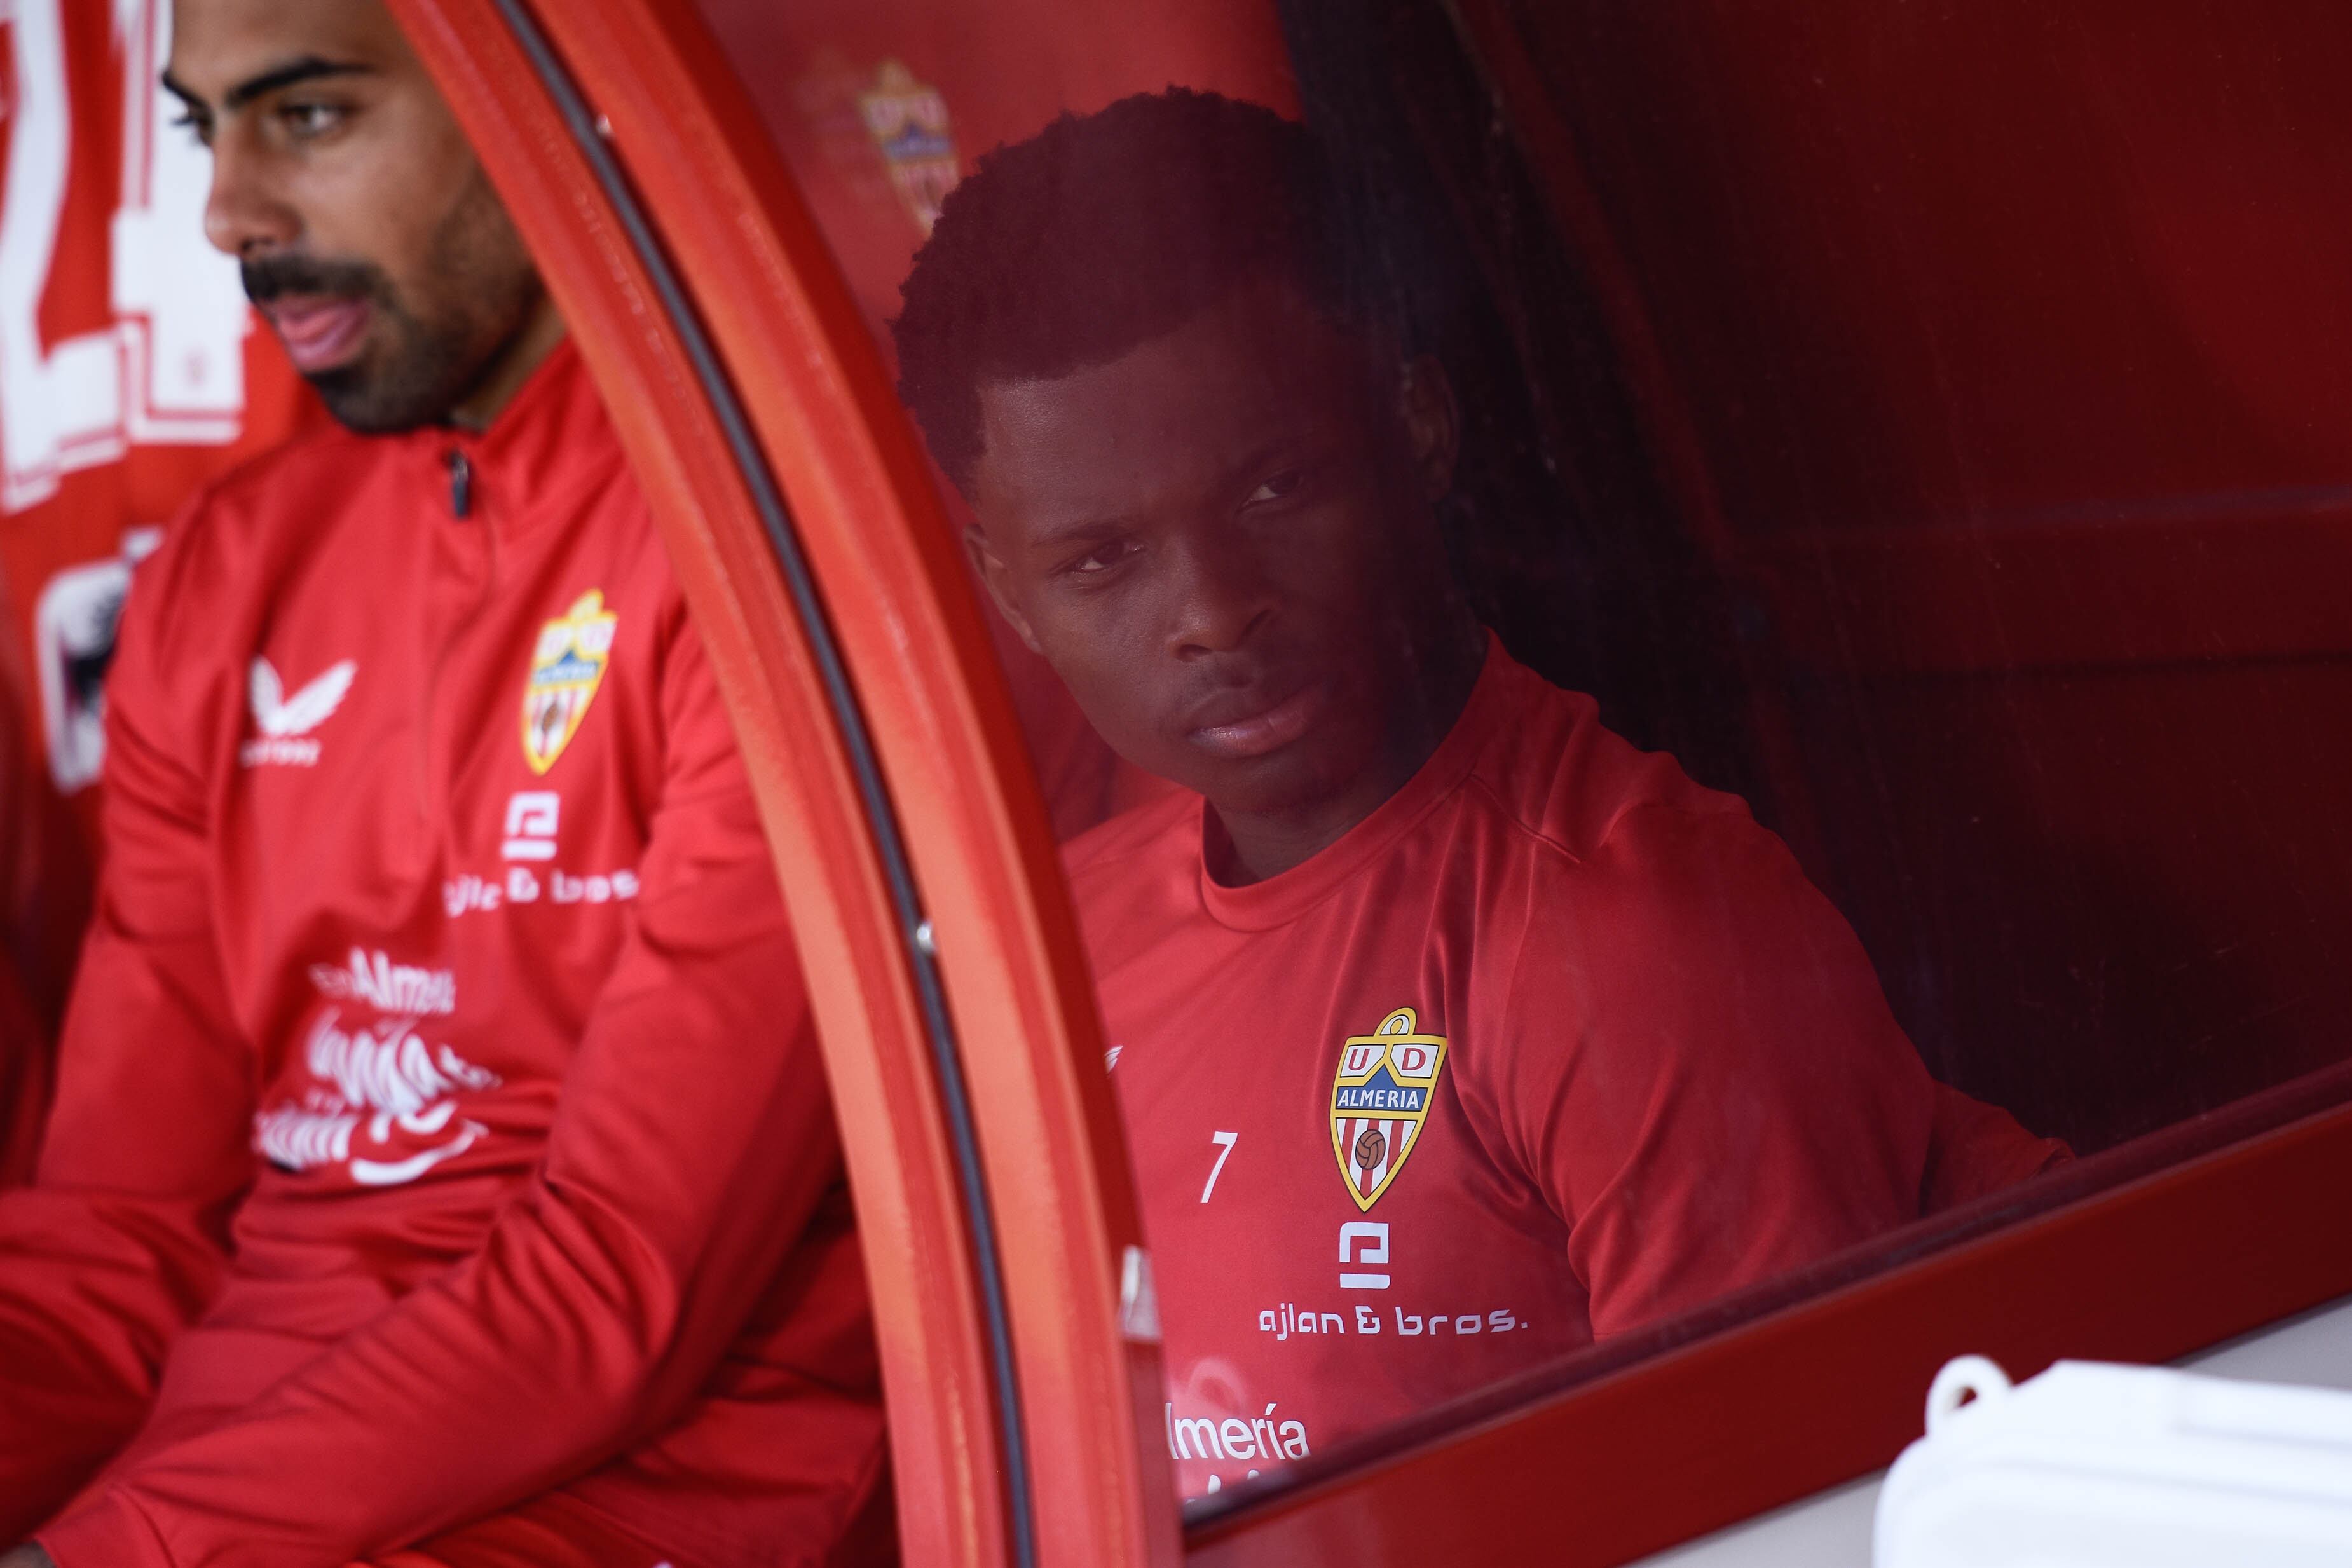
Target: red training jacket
pixel 438 1122
pixel 1554 1044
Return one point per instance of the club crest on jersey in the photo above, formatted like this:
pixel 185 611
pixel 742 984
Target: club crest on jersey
pixel 1380 1100
pixel 566 668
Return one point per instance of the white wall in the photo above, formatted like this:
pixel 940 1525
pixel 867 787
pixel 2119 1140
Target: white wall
pixel 1831 1529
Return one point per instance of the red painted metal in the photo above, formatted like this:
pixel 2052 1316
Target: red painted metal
pixel 950 748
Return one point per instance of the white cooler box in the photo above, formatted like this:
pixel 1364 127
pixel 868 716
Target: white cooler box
pixel 2098 1466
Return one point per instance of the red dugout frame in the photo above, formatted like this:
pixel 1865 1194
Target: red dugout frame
pixel 957 1023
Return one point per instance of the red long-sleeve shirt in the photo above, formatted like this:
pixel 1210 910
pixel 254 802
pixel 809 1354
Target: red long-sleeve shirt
pixel 438 1119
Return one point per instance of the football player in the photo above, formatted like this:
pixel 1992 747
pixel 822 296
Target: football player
pixel 1451 1031
pixel 441 1169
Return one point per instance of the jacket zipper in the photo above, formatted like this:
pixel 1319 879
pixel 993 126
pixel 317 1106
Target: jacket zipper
pixel 461 484
pixel 461 506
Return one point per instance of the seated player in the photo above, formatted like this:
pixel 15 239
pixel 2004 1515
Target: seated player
pixel 1451 1031
pixel 441 1169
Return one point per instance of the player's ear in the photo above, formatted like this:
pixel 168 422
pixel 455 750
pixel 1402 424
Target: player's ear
pixel 1432 422
pixel 992 571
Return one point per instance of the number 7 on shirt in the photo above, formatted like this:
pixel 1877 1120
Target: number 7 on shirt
pixel 1228 1139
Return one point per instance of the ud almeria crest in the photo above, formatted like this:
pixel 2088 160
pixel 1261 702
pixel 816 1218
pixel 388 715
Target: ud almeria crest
pixel 1380 1099
pixel 565 670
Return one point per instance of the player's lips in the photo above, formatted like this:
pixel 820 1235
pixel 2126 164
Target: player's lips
pixel 1261 728
pixel 319 332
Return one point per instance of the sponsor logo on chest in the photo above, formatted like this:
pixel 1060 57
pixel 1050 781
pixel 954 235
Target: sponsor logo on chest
pixel 534 822
pixel 1381 1098
pixel 389 987
pixel 379 1101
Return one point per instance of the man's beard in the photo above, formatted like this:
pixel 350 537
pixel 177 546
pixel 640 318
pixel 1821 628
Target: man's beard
pixel 419 362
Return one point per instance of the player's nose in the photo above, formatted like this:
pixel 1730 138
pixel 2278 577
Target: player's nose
pixel 246 213
pixel 1222 596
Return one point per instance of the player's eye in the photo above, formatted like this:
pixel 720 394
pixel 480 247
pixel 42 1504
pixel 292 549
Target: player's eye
pixel 199 126
pixel 1102 557
pixel 307 120
pixel 1277 487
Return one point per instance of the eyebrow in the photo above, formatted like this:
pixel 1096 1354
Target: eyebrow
pixel 310 67
pixel 1060 535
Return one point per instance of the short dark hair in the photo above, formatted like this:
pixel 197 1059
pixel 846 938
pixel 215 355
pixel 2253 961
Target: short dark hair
pixel 1103 231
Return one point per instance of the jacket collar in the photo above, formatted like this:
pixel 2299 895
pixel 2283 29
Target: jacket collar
pixel 552 439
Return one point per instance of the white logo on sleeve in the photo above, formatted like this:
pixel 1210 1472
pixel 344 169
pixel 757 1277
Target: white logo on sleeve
pixel 284 722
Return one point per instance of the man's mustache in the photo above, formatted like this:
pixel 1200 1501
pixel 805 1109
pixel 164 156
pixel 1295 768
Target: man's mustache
pixel 266 277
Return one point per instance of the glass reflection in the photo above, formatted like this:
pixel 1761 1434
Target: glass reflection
pixel 1452 1031
pixel 1919 436
pixel 878 107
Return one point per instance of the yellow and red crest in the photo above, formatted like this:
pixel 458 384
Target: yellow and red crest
pixel 908 122
pixel 566 668
pixel 1380 1099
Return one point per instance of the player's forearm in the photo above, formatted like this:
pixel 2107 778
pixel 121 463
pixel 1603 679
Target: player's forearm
pixel 29 1556
pixel 437 1414
pixel 52 1441
pixel 526 1370
pixel 97 1282
pixel 396 1435
pixel 592 1313
pixel 93 1286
